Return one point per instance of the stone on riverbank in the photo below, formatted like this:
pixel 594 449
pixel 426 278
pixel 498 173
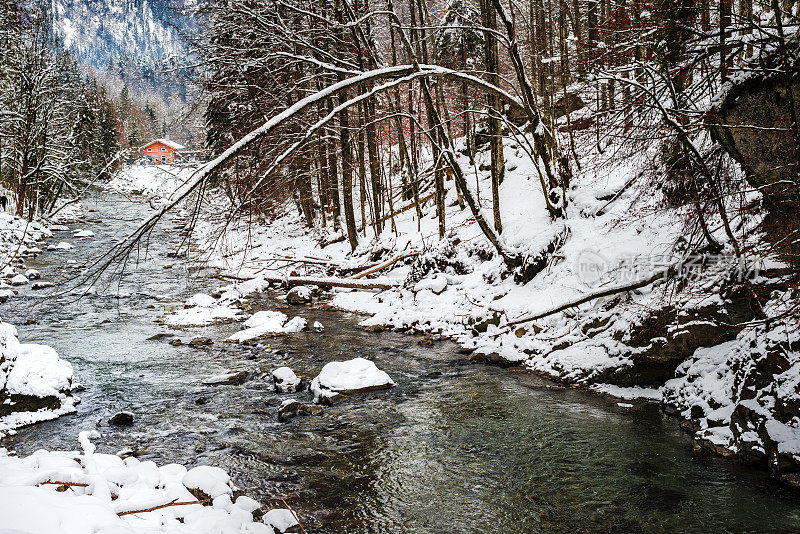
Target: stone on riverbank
pixel 19 280
pixel 35 383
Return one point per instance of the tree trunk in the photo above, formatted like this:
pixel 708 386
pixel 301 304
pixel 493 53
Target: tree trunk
pixel 495 128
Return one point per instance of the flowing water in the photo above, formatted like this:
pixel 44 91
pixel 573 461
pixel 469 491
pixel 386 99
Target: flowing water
pixel 455 447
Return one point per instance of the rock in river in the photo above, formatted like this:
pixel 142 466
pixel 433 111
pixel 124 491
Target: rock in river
pixel 121 419
pixel 291 408
pixel 352 376
pixel 228 379
pixel 284 380
pixel 299 295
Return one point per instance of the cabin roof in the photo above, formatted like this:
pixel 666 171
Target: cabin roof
pixel 172 144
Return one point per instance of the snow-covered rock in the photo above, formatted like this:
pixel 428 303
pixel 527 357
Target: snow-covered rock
pixel 82 233
pixel 202 300
pixel 294 325
pixel 281 519
pixel 284 380
pixel 268 322
pixel 299 295
pixel 209 479
pixel 351 376
pixel 33 274
pixel 19 280
pixel 436 283
pixel 34 382
pixel 62 245
pixel 204 316
pixel 318 326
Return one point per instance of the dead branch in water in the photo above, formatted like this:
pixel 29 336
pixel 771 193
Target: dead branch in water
pixel 294 515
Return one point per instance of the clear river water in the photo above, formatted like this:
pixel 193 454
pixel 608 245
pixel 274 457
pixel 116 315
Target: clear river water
pixel 455 447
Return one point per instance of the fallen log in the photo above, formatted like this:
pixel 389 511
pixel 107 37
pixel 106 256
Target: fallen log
pixel 386 264
pixel 665 274
pixel 321 281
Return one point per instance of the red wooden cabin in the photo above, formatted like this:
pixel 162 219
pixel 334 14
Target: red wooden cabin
pixel 162 151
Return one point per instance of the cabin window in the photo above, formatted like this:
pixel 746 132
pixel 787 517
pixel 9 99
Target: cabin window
pixel 163 149
pixel 163 159
pixel 149 149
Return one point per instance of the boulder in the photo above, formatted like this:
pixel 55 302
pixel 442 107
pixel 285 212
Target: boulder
pixel 752 120
pixel 299 295
pixel 200 341
pixel 42 284
pixel 121 419
pixel 567 104
pixel 33 274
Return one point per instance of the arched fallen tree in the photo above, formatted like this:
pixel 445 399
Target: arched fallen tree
pixel 398 74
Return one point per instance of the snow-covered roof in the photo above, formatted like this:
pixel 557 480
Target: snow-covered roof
pixel 172 144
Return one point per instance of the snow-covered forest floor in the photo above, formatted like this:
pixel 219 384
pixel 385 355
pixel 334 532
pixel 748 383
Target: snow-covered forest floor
pixel 689 340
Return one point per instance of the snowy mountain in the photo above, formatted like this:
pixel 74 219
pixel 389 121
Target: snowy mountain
pixel 121 35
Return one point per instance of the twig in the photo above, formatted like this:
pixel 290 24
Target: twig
pixel 171 503
pixel 294 515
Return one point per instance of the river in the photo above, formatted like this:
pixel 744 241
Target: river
pixel 455 447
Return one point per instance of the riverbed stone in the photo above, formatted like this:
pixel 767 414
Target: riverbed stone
pixel 291 408
pixel 121 419
pixel 41 284
pixel 200 341
pixel 228 379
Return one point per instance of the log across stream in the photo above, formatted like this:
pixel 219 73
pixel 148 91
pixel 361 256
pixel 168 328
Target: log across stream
pixel 455 447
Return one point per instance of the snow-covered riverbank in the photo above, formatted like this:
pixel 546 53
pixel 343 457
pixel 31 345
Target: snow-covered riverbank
pixel 85 491
pixel 646 341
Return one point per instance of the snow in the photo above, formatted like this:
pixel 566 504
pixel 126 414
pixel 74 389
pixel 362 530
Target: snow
pixel 628 393
pixel 264 323
pixel 150 179
pixel 202 300
pixel 436 284
pixel 358 374
pixel 204 315
pixel 115 486
pixel 63 245
pixel 82 233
